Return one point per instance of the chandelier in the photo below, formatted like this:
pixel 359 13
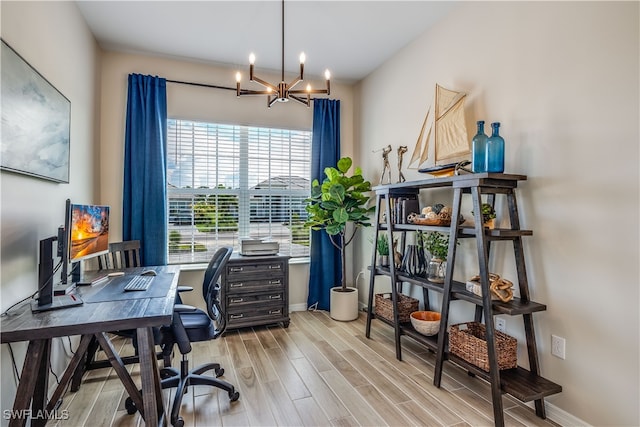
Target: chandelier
pixel 282 92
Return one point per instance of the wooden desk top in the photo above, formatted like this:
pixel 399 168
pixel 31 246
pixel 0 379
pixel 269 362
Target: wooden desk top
pixel 138 311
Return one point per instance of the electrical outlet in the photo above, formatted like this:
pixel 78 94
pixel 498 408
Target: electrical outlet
pixel 501 324
pixel 558 346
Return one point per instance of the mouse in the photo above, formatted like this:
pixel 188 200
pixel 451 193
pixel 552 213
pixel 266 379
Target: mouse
pixel 148 273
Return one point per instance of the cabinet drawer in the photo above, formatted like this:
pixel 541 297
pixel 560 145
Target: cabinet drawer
pixel 259 269
pixel 242 314
pixel 235 300
pixel 237 285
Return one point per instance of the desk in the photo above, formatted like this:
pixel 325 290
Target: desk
pixel 91 319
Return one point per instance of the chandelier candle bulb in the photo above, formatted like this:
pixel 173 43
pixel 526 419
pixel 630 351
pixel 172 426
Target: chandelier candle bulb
pixel 238 78
pixel 252 60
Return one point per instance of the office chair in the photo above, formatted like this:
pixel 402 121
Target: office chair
pixel 191 324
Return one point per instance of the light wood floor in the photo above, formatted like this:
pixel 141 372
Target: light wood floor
pixel 317 372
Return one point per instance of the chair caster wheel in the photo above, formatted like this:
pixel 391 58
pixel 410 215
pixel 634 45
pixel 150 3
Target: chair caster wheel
pixel 130 406
pixel 234 395
pixel 179 422
pixel 219 372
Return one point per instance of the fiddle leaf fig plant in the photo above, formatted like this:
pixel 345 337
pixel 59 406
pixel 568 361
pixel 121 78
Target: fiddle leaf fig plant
pixel 338 201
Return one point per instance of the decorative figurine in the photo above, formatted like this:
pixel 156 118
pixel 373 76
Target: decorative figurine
pixel 386 167
pixel 401 150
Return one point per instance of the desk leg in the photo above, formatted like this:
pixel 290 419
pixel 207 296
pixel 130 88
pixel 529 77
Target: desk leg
pixel 37 356
pixel 69 373
pixel 151 390
pixel 118 366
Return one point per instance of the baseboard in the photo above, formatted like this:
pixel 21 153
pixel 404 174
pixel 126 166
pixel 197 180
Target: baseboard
pixel 298 307
pixel 560 416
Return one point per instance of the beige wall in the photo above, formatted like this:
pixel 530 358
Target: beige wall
pixel 191 102
pixel 562 78
pixel 55 40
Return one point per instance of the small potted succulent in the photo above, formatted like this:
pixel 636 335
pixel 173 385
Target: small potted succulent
pixel 488 215
pixel 382 246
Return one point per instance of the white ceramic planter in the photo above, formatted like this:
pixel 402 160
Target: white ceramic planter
pixel 343 305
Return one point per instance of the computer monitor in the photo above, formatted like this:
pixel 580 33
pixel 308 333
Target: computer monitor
pixel 85 234
pixel 88 231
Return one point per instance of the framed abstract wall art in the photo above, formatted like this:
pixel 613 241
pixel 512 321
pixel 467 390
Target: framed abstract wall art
pixel 35 121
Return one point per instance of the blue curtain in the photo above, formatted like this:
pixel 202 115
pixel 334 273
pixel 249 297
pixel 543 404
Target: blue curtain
pixel 325 269
pixel 144 207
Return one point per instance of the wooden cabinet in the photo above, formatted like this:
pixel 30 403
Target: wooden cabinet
pixel 524 384
pixel 255 290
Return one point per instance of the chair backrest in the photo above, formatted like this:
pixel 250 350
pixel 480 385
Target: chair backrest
pixel 211 288
pixel 121 255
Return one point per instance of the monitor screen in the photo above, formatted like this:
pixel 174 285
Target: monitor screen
pixel 88 231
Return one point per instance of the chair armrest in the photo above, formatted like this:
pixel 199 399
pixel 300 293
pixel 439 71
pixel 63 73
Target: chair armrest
pixel 183 308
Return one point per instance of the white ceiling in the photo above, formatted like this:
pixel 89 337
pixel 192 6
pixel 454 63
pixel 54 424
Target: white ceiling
pixel 350 38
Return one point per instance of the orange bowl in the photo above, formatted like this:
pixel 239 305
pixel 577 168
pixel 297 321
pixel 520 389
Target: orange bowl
pixel 426 322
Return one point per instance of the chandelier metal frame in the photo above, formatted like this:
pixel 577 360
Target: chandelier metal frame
pixel 283 91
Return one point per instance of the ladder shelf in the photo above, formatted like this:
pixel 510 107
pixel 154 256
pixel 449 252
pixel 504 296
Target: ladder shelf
pixel 523 384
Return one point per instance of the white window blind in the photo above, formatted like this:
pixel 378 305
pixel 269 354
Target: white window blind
pixel 226 182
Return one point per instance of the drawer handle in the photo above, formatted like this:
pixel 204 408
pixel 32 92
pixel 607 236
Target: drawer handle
pixel 237 299
pixel 236 316
pixel 236 269
pixel 278 311
pixel 275 267
pixel 275 296
pixel 236 285
pixel 275 282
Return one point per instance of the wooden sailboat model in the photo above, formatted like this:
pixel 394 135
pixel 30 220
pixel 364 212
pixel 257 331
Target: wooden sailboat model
pixel 449 131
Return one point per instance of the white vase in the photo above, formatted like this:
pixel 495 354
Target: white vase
pixel 343 305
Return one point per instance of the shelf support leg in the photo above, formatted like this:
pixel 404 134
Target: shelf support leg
pixel 483 261
pixel 372 277
pixel 523 284
pixel 448 280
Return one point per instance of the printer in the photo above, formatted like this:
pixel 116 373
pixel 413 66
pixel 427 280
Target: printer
pixel 258 247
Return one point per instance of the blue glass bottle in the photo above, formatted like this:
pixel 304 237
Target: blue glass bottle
pixel 479 149
pixel 495 150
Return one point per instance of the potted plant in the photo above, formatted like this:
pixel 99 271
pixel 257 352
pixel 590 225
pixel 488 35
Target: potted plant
pixel 488 215
pixel 437 244
pixel 338 201
pixel 382 246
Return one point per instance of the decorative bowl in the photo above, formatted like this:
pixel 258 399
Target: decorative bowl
pixel 426 322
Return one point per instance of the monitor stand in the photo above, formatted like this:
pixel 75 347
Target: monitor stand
pixel 60 301
pixel 46 299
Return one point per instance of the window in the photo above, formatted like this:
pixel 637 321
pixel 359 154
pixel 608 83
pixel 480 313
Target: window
pixel 225 182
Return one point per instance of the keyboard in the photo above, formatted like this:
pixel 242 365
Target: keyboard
pixel 139 283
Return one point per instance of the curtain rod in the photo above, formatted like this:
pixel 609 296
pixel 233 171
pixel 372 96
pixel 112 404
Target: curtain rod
pixel 201 85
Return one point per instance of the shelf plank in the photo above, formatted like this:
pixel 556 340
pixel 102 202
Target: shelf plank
pixel 518 382
pixel 463 232
pixel 458 291
pixel 466 180
pixel 431 342
pixel 495 233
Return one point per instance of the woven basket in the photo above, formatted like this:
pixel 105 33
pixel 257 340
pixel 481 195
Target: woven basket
pixel 468 341
pixel 406 306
